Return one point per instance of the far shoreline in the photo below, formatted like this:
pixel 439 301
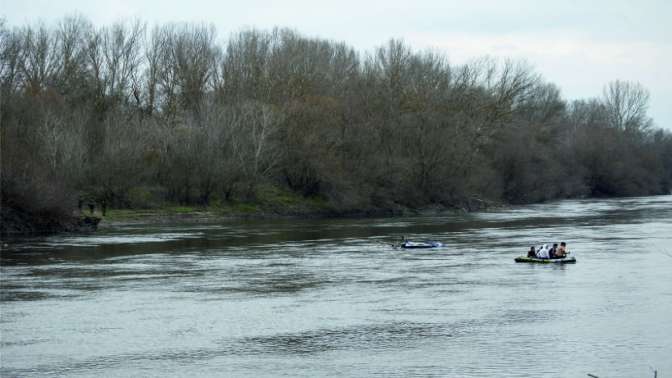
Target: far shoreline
pixel 19 224
pixel 121 217
pixel 86 222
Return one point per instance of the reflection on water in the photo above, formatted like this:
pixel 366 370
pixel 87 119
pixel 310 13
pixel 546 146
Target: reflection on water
pixel 332 297
pixel 94 241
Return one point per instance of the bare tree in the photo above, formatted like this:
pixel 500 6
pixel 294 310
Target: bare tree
pixel 188 67
pixel 121 44
pixel 253 128
pixel 11 54
pixel 39 64
pixel 627 104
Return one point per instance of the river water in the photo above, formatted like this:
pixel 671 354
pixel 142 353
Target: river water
pixel 333 298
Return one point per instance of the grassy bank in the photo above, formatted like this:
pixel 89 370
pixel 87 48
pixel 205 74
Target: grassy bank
pixel 296 208
pixel 269 203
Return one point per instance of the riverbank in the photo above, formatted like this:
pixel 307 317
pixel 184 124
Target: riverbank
pixel 270 205
pixel 16 221
pixel 307 209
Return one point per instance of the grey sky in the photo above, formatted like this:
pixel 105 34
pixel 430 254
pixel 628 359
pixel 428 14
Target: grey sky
pixel 578 45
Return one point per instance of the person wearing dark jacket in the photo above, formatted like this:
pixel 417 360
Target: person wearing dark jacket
pixel 531 252
pixel 552 251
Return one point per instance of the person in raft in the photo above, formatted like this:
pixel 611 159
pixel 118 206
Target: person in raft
pixel 542 252
pixel 561 252
pixel 531 252
pixel 552 251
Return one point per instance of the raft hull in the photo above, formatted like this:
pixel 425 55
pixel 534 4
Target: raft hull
pixel 525 259
pixel 420 245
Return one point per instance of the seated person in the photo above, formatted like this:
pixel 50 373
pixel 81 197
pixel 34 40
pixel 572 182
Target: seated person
pixel 531 252
pixel 562 251
pixel 552 252
pixel 542 252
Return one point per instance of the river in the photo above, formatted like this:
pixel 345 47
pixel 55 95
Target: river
pixel 331 297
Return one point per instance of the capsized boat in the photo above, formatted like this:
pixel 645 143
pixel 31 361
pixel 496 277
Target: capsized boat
pixel 407 244
pixel 564 260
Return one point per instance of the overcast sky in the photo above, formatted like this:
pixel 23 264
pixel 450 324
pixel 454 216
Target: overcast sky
pixel 578 45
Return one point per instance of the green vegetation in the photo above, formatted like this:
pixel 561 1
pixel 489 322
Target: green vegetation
pixel 269 202
pixel 125 214
pixel 274 122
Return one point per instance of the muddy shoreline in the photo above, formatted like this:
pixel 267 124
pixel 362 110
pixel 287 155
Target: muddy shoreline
pixel 18 223
pixel 214 216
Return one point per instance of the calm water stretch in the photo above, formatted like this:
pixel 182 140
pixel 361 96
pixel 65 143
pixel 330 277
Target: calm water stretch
pixel 333 298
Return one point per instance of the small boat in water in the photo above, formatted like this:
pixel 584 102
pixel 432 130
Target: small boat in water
pixel 407 244
pixel 564 260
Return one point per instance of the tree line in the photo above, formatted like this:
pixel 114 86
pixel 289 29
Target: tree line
pixel 141 116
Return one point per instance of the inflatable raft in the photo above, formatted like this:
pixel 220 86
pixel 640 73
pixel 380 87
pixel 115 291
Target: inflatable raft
pixel 420 244
pixel 565 260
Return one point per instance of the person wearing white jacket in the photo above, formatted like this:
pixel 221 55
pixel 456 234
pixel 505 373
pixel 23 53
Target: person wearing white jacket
pixel 543 252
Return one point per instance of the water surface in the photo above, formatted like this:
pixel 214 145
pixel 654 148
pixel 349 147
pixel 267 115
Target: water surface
pixel 333 298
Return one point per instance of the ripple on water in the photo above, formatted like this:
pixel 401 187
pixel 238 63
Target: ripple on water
pixel 92 241
pixel 386 336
